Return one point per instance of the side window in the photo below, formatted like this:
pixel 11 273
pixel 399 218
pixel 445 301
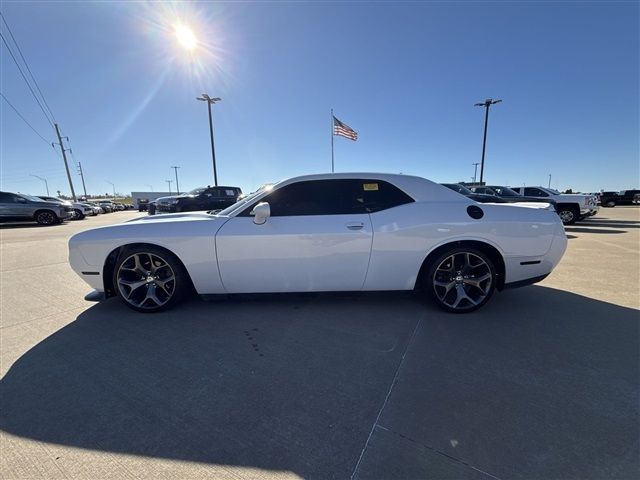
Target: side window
pixel 377 195
pixel 316 197
pixel 534 192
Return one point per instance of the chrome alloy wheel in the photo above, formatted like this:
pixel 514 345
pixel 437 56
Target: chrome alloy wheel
pixel 146 281
pixel 462 280
pixel 566 216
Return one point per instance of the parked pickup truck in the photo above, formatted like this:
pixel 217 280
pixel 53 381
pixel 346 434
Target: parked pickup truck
pixel 570 207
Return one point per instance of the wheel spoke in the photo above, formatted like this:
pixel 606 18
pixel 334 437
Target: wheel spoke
pixel 162 283
pixel 151 295
pixel 133 285
pixel 461 294
pixel 477 281
pixel 446 285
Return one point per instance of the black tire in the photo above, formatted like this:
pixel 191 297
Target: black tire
pixel 569 214
pixel 46 217
pixel 461 276
pixel 79 214
pixel 610 203
pixel 169 294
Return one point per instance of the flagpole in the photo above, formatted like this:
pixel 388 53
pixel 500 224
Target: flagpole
pixel 332 169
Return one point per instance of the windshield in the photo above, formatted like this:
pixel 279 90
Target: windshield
pixel 246 200
pixel 195 191
pixel 505 192
pixel 456 187
pixel 32 198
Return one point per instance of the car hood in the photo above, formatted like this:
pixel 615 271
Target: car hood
pixel 166 199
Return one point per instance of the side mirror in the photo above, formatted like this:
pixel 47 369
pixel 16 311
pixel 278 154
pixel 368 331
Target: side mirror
pixel 260 213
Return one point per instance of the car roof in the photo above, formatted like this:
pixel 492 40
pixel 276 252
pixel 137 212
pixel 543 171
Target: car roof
pixel 420 189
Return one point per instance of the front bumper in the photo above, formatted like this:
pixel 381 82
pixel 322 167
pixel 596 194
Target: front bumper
pixel 166 208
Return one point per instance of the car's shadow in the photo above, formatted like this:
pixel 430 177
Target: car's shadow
pixel 287 382
pixel 592 230
pixel 11 225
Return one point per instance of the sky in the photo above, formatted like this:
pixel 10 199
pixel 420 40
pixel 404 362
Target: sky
pixel 404 75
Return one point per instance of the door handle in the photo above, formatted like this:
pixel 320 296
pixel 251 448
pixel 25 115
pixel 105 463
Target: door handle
pixel 355 226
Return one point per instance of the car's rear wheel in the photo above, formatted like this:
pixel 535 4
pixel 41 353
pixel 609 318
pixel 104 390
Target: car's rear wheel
pixel 610 203
pixel 149 279
pixel 46 217
pixel 461 280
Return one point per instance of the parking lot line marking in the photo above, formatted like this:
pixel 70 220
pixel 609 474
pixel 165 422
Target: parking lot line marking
pixel 386 398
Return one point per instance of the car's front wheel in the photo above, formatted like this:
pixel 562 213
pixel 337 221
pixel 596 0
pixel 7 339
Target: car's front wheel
pixel 79 214
pixel 149 279
pixel 461 280
pixel 610 203
pixel 568 214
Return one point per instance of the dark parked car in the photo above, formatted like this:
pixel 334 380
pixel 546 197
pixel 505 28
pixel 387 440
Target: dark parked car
pixel 209 198
pixel 143 204
pixel 510 195
pixel 625 197
pixel 478 197
pixel 17 206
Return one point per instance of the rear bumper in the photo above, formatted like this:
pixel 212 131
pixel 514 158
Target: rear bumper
pixel 525 282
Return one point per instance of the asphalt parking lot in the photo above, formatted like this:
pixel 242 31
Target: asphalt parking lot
pixel 541 383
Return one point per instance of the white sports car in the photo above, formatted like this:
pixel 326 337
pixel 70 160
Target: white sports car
pixel 331 232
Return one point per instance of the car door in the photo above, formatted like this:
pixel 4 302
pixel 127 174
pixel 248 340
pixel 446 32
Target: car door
pixel 318 238
pixel 14 206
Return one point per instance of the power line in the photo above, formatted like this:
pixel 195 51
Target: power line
pixel 27 65
pixel 25 120
pixel 25 80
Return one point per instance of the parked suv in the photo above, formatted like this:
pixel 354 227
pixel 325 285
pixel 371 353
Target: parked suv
pixel 209 198
pixel 17 206
pixel 80 210
pixel 570 206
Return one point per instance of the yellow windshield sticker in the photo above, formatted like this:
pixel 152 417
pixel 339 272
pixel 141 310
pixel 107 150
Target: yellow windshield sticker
pixel 370 187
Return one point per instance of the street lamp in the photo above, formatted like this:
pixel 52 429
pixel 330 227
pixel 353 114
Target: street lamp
pixel 486 104
pixel 177 184
pixel 44 180
pixel 114 188
pixel 210 101
pixel 149 185
pixel 475 171
pixel 169 183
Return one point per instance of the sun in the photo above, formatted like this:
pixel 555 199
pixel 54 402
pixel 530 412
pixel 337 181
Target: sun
pixel 185 36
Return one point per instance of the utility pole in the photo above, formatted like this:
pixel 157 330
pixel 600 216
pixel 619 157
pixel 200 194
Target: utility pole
pixel 45 182
pixel 169 183
pixel 475 171
pixel 486 104
pixel 64 157
pixel 149 185
pixel 177 184
pixel 210 101
pixel 84 188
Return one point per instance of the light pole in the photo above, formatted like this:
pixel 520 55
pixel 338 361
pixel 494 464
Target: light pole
pixel 210 101
pixel 169 183
pixel 114 188
pixel 45 182
pixel 475 171
pixel 149 185
pixel 177 184
pixel 486 104
pixel 549 186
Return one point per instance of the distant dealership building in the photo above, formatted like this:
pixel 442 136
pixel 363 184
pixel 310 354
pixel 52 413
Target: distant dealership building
pixel 135 196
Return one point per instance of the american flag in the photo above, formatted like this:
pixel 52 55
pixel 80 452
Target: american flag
pixel 344 130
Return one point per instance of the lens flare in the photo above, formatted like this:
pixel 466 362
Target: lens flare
pixel 185 36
